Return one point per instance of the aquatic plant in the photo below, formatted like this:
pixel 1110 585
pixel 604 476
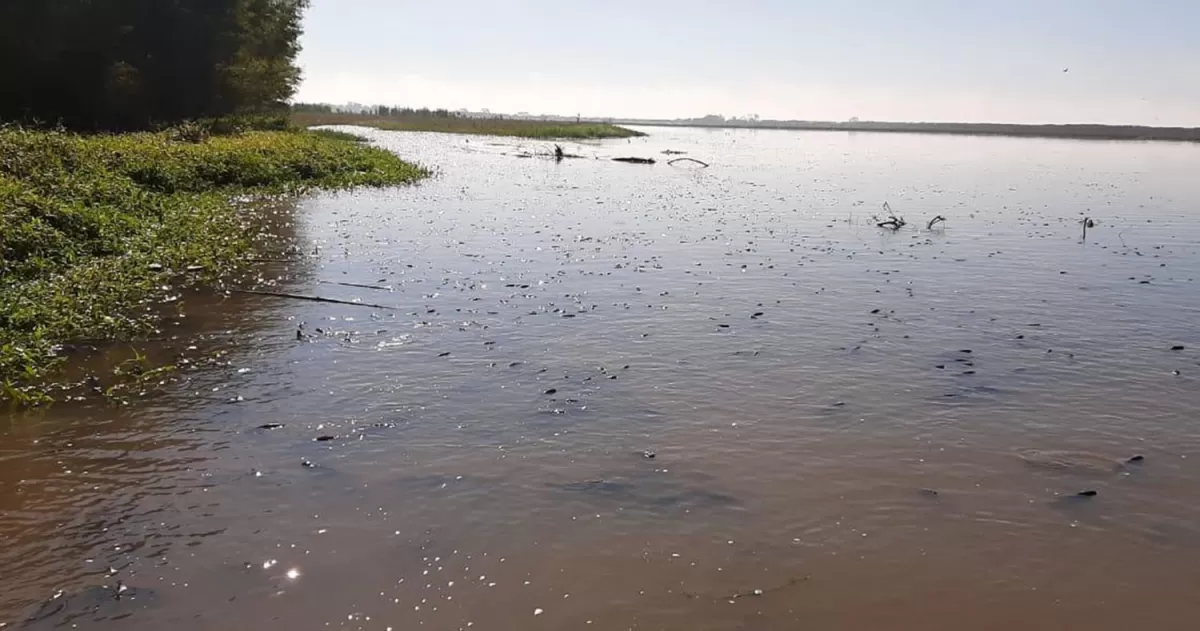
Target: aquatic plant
pixel 95 229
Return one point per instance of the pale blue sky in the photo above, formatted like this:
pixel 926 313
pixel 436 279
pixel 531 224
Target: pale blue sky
pixel 964 60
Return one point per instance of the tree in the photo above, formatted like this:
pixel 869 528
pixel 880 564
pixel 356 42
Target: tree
pixel 129 64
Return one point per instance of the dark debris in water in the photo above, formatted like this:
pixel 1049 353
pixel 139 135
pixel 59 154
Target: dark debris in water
pixel 89 606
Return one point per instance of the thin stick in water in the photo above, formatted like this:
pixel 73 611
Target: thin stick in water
pixel 334 301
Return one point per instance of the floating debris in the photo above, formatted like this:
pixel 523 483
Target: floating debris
pixel 677 160
pixel 893 222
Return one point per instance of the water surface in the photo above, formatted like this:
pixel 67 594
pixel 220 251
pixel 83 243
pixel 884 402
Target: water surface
pixel 850 427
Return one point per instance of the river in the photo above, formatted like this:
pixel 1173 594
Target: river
pixel 618 396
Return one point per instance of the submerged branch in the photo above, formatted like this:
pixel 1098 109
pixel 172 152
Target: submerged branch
pixel 703 164
pixel 335 301
pixel 376 287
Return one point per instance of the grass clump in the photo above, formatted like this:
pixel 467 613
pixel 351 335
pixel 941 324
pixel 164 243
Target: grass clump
pixel 93 229
pixel 547 130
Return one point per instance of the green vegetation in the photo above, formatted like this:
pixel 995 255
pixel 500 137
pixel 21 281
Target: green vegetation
pixel 338 135
pixel 136 64
pixel 96 230
pixel 452 124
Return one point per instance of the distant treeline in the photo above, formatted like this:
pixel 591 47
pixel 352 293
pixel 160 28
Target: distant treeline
pixel 381 111
pixel 1082 131
pixel 135 64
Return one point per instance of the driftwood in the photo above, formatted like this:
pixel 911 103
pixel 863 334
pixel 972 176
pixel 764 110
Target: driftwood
pixel 933 221
pixel 636 160
pixel 703 164
pixel 334 301
pixel 672 152
pixel 360 285
pixel 893 222
pixel 551 156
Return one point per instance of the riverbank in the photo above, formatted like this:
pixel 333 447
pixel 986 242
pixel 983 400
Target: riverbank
pixel 97 230
pixel 1078 132
pixel 545 130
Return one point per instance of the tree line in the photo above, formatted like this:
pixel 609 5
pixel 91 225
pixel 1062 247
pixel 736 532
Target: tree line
pixel 385 111
pixel 136 64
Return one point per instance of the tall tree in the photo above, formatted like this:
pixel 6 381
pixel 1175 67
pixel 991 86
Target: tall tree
pixel 127 64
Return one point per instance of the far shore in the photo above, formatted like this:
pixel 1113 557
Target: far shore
pixel 453 124
pixel 1079 131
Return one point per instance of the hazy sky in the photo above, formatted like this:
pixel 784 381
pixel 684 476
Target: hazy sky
pixel 936 60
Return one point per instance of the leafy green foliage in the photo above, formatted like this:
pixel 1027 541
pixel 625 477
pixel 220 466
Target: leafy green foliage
pixel 93 227
pixel 134 64
pixel 338 135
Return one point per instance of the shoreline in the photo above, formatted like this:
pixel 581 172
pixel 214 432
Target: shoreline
pixel 1066 132
pixel 511 127
pixel 137 219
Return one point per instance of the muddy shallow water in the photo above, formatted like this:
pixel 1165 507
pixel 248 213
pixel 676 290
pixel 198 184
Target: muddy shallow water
pixel 850 428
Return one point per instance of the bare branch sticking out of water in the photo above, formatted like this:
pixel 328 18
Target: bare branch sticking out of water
pixel 934 221
pixel 360 285
pixel 749 593
pixel 554 155
pixel 893 222
pixel 334 301
pixel 703 164
pixel 1087 223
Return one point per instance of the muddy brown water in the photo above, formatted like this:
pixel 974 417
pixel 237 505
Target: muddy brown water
pixel 553 323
